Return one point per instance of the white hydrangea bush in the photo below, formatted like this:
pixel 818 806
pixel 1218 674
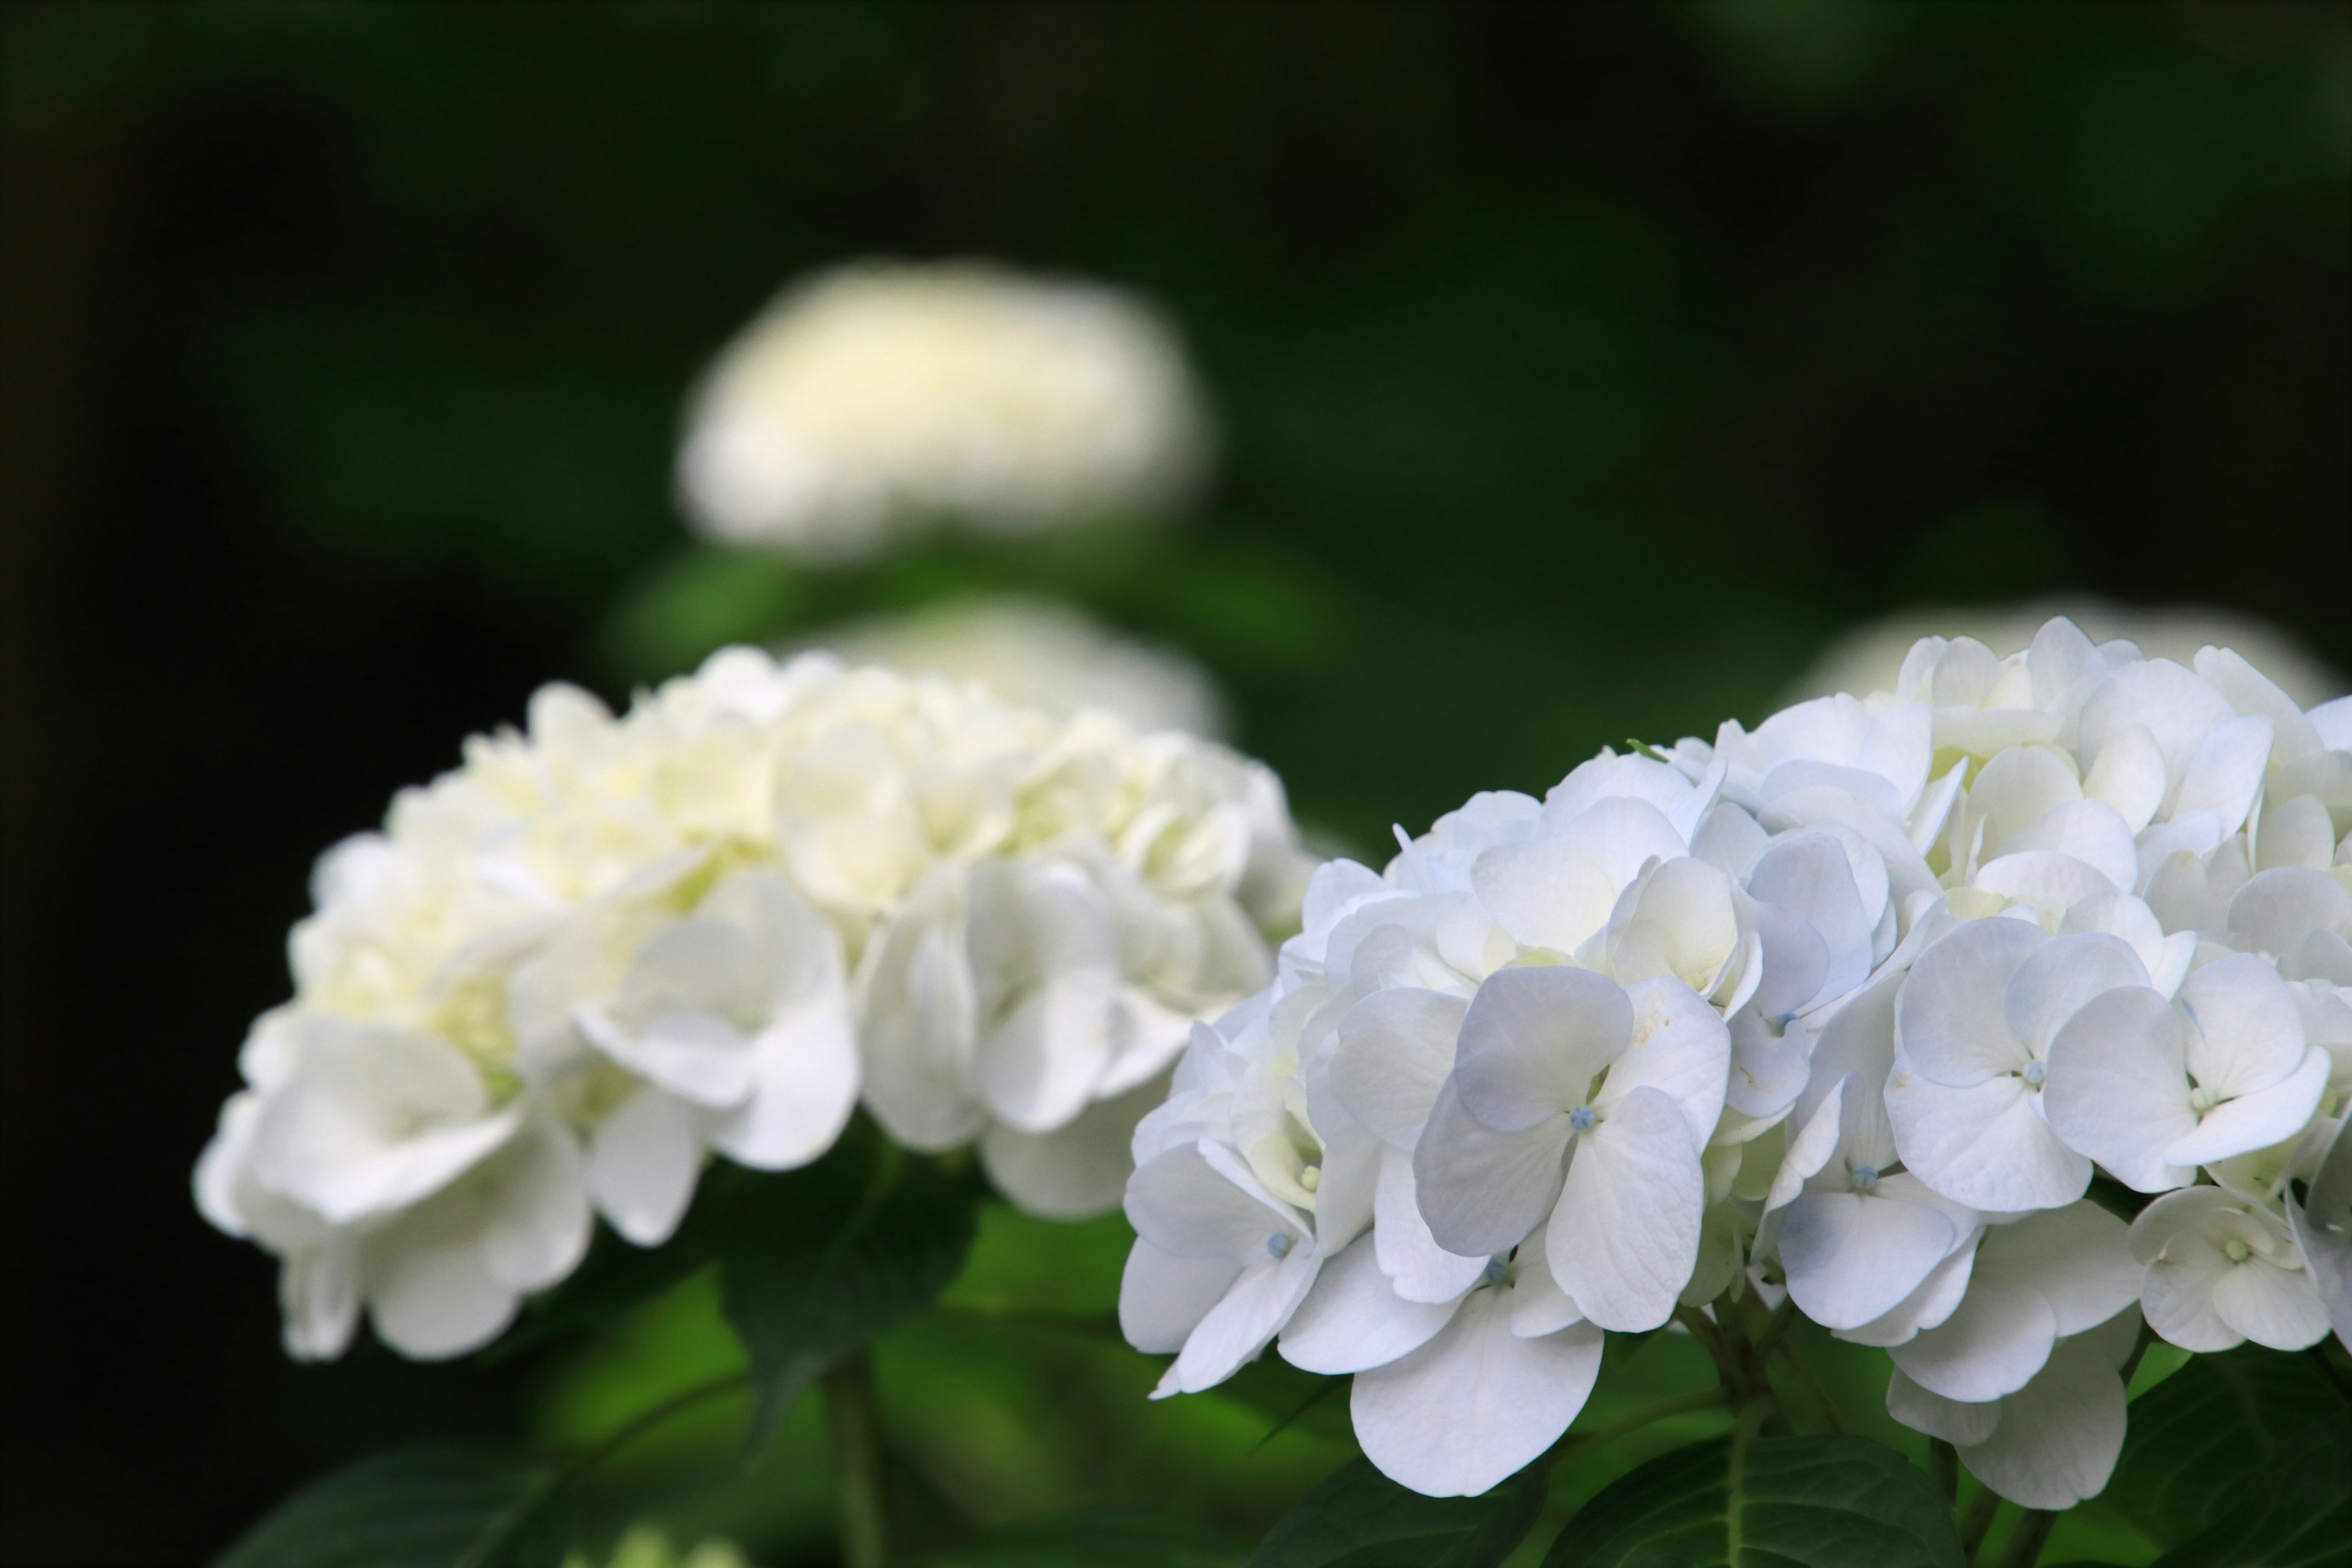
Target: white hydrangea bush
pixel 881 394
pixel 1853 1006
pixel 606 949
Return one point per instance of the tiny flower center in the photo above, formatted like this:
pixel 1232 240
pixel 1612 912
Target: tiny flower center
pixel 1581 1118
pixel 1865 1178
pixel 2201 1100
pixel 1497 1269
pixel 1311 1177
pixel 2034 1072
pixel 2233 1249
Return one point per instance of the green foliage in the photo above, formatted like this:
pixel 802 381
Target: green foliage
pixel 441 1505
pixel 1099 1541
pixel 2198 1436
pixel 862 1244
pixel 1772 1502
pixel 2297 1514
pixel 1360 1519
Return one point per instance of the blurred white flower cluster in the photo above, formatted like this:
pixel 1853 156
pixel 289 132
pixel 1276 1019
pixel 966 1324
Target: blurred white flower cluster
pixel 1852 1006
pixel 1039 654
pixel 601 951
pixel 883 394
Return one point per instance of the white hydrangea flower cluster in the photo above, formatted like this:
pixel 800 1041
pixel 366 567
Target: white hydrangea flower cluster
pixel 566 974
pixel 883 392
pixel 1852 1006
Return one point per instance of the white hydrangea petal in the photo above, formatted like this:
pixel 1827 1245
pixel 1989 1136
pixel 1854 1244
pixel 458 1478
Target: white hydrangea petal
pixel 1162 1297
pixel 1353 1317
pixel 2256 1120
pixel 1809 873
pixel 694 1056
pixel 1680 1047
pixel 1534 1039
pixel 430 1293
pixel 1676 920
pixel 2176 707
pixel 539 1223
pixel 1949 1016
pixel 2052 882
pixel 1923 1410
pixel 1418 1268
pixel 1852 1258
pixel 2277 909
pixel 804 1086
pixel 1198 1201
pixel 1729 839
pixel 2332 722
pixel 2118 1088
pixel 2090 831
pixel 2015 789
pixel 2129 776
pixel 1547 895
pixel 2225 772
pixel 1475 1405
pixel 2247 1031
pixel 319 1291
pixel 1042 944
pixel 1538 1306
pixel 2063 974
pixel 1624 1236
pixel 2176 1292
pixel 1937 1298
pixel 1246 1320
pixel 374 1120
pixel 1394 1051
pixel 2059 1436
pixel 1986 1146
pixel 2323 1232
pixel 1794 956
pixel 1077 1169
pixel 2295 832
pixel 916 1027
pixel 2277 1308
pixel 1481 1190
pixel 643 1163
pixel 1812 1149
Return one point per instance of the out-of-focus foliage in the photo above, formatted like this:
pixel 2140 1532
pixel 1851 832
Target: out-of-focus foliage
pixel 1580 372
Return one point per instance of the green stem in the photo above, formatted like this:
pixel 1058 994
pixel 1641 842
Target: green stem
pixel 1776 1325
pixel 1711 1340
pixel 1944 1465
pixel 2139 1350
pixel 2023 1547
pixel 852 1422
pixel 1820 1395
pixel 1576 1445
pixel 1977 1520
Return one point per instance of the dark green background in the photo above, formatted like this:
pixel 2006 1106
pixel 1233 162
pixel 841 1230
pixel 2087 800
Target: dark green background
pixel 1582 370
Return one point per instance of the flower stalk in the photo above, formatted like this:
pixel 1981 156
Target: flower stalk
pixel 853 1427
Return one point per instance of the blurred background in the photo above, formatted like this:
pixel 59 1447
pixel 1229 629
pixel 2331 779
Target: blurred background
pixel 1577 372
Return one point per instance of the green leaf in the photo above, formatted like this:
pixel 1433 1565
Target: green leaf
pixel 1102 1541
pixel 1784 1503
pixel 439 1505
pixel 2296 1512
pixel 1360 1519
pixel 2197 1434
pixel 863 1236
